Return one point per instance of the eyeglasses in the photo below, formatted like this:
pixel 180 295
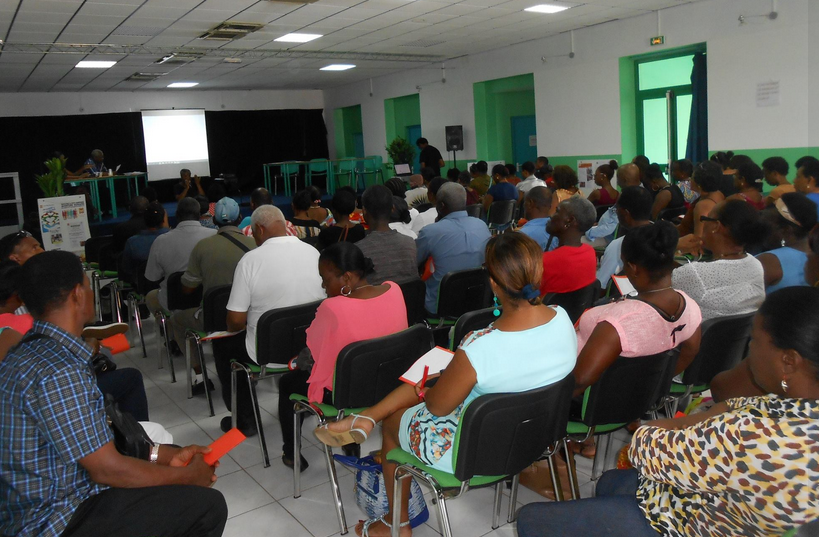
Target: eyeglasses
pixel 704 218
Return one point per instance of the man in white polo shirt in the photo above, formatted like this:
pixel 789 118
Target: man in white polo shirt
pixel 281 272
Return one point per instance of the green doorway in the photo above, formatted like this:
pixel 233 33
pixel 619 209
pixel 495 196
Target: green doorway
pixel 402 116
pixel 497 102
pixel 349 135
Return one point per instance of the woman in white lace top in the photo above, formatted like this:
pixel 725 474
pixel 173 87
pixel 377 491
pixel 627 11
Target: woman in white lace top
pixel 733 283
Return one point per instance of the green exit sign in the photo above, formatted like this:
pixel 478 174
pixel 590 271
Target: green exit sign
pixel 659 40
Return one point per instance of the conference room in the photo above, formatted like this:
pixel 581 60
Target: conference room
pixel 118 114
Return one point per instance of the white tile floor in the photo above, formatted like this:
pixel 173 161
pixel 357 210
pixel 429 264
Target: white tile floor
pixel 260 500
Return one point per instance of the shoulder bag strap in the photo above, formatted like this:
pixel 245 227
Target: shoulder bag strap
pixel 236 241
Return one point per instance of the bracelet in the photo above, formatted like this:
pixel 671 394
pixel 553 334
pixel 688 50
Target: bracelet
pixel 154 453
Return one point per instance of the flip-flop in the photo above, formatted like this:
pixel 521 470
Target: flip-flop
pixel 338 439
pixel 365 531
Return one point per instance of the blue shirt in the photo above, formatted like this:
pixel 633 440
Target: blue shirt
pixel 537 230
pixel 814 197
pixel 456 242
pixel 605 227
pixel 793 268
pixel 503 192
pixel 95 168
pixel 137 249
pixel 611 263
pixel 245 222
pixel 51 415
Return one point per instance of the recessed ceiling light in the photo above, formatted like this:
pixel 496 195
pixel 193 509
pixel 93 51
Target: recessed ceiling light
pixel 337 67
pixel 183 84
pixel 547 8
pixel 87 64
pixel 297 38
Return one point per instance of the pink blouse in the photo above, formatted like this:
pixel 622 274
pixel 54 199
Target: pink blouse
pixel 340 321
pixel 642 330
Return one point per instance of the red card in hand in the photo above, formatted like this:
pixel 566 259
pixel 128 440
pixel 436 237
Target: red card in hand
pixel 223 445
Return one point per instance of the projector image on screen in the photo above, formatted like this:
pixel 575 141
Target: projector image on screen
pixel 175 139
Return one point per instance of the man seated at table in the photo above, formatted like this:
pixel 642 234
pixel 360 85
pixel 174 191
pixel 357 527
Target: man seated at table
pixel 186 188
pixel 61 471
pixel 95 165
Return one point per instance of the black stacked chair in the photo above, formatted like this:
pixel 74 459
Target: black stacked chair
pixel 414 294
pixel 601 210
pixel 576 302
pixel 500 216
pixel 462 291
pixel 469 322
pixel 475 210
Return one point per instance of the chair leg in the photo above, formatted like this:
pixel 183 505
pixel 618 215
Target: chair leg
pixel 204 367
pixel 572 470
pixel 95 284
pixel 405 471
pixel 233 384
pixel 138 323
pixel 189 387
pixel 606 455
pixel 555 479
pixel 258 416
pixel 513 499
pixel 595 462
pixel 497 506
pixel 334 486
pixel 164 321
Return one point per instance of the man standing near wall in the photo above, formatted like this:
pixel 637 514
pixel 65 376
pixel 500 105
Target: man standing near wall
pixel 430 156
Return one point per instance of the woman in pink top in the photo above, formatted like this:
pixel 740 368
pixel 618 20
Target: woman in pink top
pixel 354 311
pixel 12 327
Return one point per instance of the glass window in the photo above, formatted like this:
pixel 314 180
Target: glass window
pixel 655 130
pixel 666 73
pixel 683 119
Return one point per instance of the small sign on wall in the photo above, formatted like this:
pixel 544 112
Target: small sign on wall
pixel 767 93
pixel 533 140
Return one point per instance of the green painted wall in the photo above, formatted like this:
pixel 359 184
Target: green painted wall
pixel 348 123
pixel 628 112
pixel 400 113
pixel 496 103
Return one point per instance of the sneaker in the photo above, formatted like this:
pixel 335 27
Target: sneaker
pixel 227 424
pixel 104 330
pixel 198 388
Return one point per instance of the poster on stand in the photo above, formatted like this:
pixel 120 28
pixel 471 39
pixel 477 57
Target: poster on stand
pixel 585 174
pixel 64 223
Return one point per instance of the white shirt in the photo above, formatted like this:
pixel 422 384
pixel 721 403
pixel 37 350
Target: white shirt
pixel 404 229
pixel 424 219
pixel 724 287
pixel 282 272
pixel 529 183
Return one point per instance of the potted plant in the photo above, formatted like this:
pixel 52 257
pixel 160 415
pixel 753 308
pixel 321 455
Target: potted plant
pixel 401 151
pixel 51 183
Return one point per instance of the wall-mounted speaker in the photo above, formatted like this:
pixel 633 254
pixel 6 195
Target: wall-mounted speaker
pixel 455 138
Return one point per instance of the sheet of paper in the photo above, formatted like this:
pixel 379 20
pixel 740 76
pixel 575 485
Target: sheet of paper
pixel 437 359
pixel 219 335
pixel 624 285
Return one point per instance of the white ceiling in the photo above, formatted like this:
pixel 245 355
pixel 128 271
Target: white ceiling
pixel 396 30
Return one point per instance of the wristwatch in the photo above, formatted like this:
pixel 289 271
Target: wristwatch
pixel 154 453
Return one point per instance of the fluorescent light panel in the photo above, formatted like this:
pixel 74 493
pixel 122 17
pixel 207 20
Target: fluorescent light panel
pixel 547 8
pixel 88 64
pixel 337 67
pixel 183 84
pixel 297 38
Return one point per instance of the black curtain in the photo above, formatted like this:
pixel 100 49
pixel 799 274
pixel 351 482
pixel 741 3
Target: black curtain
pixel 238 143
pixel 697 148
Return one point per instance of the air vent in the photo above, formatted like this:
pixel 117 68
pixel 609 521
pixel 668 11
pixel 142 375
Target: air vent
pixel 423 43
pixel 228 31
pixel 180 57
pixel 144 77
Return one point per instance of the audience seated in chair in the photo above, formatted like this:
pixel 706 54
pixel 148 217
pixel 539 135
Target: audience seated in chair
pixel 606 194
pixel 538 210
pixel 775 171
pixel 343 229
pixel 65 475
pixel 706 182
pixel 794 217
pixel 807 180
pixel 472 197
pixel 422 220
pixel 508 356
pixel 748 183
pixel 393 254
pixel 12 327
pixel 170 252
pixel 455 242
pixel 401 218
pixel 212 263
pixel 19 247
pixel 417 193
pixel 733 282
pixel 633 210
pixel 125 230
pixel 260 196
pixel 281 272
pixel 530 180
pixel 480 179
pixel 681 171
pixel 316 211
pixel 565 181
pixel 304 225
pixel 570 266
pixel 627 175
pixel 501 190
pixel 701 474
pixel 668 196
pixel 138 248
pixel 354 310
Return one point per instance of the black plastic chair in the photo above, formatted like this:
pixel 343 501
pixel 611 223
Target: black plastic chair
pixel 280 335
pixel 499 436
pixel 365 373
pixel 462 291
pixel 92 249
pixel 671 214
pixel 414 294
pixel 501 215
pixel 601 210
pixel 628 389
pixel 724 344
pixel 214 319
pixel 475 210
pixel 576 302
pixel 469 322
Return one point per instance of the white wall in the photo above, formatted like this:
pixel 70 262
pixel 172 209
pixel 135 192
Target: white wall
pixel 62 104
pixel 813 82
pixel 578 102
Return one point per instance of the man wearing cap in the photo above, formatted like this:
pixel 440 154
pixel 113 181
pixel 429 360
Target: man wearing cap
pixel 212 263
pixel 170 251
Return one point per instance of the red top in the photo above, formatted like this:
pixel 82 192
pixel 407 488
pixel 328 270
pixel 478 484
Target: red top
pixel 472 197
pixel 605 198
pixel 568 268
pixel 19 323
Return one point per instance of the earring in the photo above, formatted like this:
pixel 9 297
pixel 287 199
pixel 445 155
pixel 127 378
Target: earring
pixel 784 385
pixel 496 311
pixel 349 290
pixel 783 243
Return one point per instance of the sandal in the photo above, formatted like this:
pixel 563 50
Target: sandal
pixel 365 531
pixel 338 439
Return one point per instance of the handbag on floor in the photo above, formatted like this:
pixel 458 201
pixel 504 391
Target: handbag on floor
pixel 371 496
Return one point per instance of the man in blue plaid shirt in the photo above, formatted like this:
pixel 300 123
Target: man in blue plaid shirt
pixel 60 473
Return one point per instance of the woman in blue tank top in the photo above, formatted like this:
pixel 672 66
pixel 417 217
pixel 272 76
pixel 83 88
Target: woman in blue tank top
pixel 785 267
